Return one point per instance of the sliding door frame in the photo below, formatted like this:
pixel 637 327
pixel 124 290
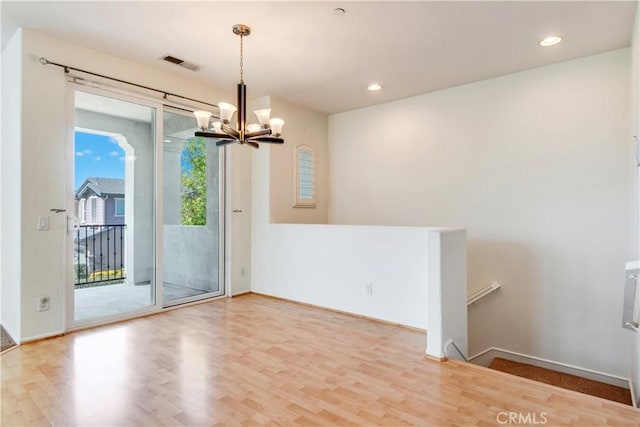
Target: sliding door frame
pixel 222 200
pixel 158 236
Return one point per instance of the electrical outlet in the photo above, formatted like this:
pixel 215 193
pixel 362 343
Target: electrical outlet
pixel 43 303
pixel 369 288
pixel 243 271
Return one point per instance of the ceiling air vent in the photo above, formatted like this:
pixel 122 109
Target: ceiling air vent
pixel 182 63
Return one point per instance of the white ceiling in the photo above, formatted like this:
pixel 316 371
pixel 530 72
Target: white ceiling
pixel 304 53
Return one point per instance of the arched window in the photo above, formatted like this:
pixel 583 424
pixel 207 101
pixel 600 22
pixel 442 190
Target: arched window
pixel 304 177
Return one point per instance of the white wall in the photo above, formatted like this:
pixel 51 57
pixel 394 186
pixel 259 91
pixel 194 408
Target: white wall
pixel 447 291
pixel 10 186
pixel 239 210
pixel 416 274
pixel 309 128
pixel 330 266
pixel 44 169
pixel 535 166
pixel 635 199
pixel 274 180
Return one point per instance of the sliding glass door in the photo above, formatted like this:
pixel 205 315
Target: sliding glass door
pixel 145 213
pixel 113 233
pixel 192 215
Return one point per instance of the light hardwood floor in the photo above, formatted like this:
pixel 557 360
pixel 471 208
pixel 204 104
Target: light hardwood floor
pixel 253 360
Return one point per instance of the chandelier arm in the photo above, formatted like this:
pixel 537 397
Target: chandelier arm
pixel 207 134
pixel 230 131
pixel 253 144
pixel 260 132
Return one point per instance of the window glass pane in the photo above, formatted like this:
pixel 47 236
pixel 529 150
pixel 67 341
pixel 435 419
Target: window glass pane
pixel 114 165
pixel 193 174
pixel 119 211
pixel 305 170
pixel 94 208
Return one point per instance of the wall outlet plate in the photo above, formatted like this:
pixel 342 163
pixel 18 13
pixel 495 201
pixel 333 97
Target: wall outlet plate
pixel 43 303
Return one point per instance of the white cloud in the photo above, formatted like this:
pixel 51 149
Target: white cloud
pixel 87 152
pixel 122 158
pixel 97 158
pixel 79 154
pixel 114 153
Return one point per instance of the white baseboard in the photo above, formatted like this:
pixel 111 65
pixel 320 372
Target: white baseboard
pixel 485 357
pixel 42 337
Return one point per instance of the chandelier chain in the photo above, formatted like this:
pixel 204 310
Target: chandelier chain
pixel 241 59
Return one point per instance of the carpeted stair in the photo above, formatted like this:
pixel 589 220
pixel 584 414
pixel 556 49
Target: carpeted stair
pixel 560 379
pixel 5 340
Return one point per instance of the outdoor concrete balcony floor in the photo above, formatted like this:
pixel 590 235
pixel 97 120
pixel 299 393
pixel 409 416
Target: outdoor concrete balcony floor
pixel 108 300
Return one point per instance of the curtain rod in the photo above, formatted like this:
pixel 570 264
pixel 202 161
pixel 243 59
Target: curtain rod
pixel 45 61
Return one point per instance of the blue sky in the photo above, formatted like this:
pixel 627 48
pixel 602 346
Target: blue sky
pixel 97 156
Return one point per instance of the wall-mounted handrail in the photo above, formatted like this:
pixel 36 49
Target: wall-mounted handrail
pixel 494 286
pixel 452 343
pixel 630 309
pixel 632 325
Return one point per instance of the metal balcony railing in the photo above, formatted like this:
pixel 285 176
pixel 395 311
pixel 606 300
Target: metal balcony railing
pixel 99 254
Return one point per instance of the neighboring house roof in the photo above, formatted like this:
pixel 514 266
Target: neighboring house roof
pixel 101 187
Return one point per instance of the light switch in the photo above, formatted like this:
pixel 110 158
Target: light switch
pixel 43 223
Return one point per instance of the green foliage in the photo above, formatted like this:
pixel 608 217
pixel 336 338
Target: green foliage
pixel 97 278
pixel 81 272
pixel 194 182
pixel 107 274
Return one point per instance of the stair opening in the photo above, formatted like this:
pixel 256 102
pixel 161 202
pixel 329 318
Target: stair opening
pixel 564 380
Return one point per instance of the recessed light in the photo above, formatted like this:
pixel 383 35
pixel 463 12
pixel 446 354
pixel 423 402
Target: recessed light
pixel 550 41
pixel 374 87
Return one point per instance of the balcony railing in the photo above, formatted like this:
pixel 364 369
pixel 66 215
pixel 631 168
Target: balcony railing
pixel 99 255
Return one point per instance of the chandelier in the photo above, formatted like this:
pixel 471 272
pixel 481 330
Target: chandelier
pixel 266 130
